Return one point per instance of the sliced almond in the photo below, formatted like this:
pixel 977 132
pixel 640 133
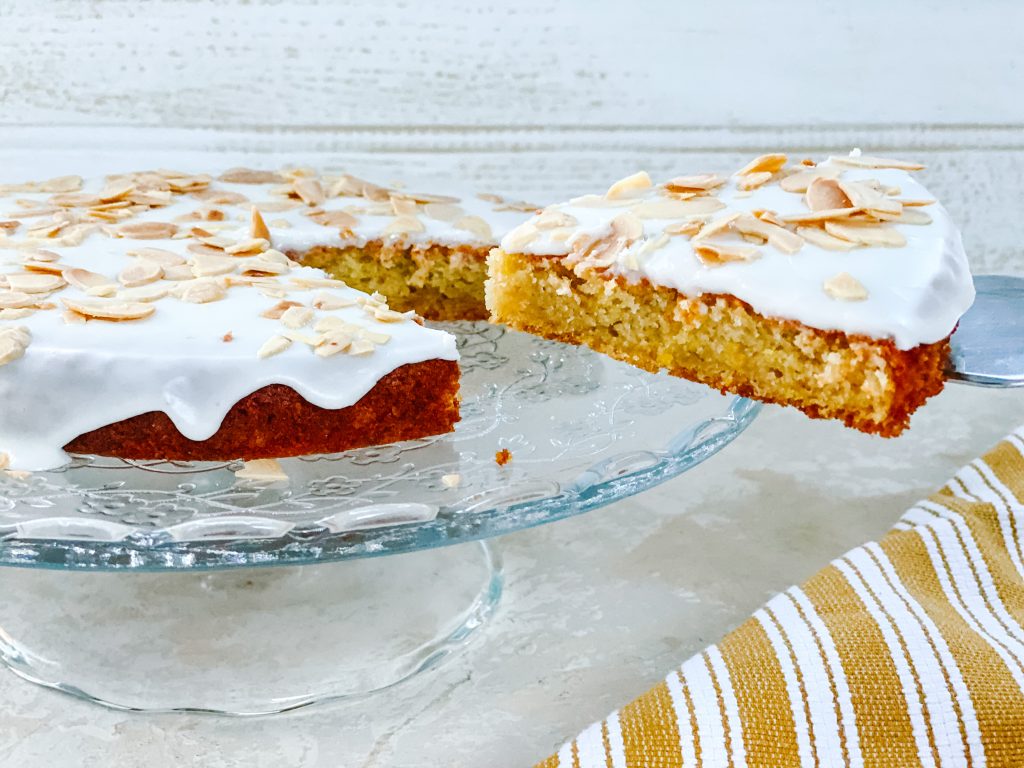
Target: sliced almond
pixel 202 290
pixel 629 186
pixel 89 282
pixel 309 191
pixel 476 226
pixel 749 181
pixel 801 180
pixel 158 256
pixel 825 195
pixel 178 272
pixel 717 226
pixel 35 282
pixel 360 347
pixel 16 314
pixel 426 197
pixel 143 293
pixel 257 226
pixel 770 163
pixel 778 237
pixel 148 230
pixel 112 311
pixel 668 208
pixel 273 346
pixel 140 272
pixel 443 211
pixel 552 218
pixel 220 197
pixel 403 206
pixel 296 317
pixel 819 216
pixel 276 311
pixel 14 340
pixel 866 196
pixel 717 254
pixel 866 161
pixel 697 182
pixel 687 228
pixel 262 470
pixel 117 190
pixel 335 219
pixel 627 226
pixel 845 287
pixel 249 176
pixel 403 225
pixel 251 245
pixel 330 301
pixel 823 239
pixel 204 265
pixel 906 216
pixel 866 234
pixel 41 255
pixel 318 282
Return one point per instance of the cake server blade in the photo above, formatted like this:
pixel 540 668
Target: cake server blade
pixel 987 348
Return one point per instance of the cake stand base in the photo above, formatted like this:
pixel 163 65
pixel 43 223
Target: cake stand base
pixel 250 641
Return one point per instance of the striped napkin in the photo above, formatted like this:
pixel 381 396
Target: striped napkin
pixel 903 652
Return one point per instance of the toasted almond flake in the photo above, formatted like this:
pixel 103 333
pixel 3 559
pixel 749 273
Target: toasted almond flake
pixel 140 272
pixel 778 237
pixel 301 338
pixel 70 317
pixel 35 283
pixel 402 225
pixel 117 190
pixel 318 282
pixel 561 234
pixel 263 471
pixel 823 239
pixel 825 195
pixel 552 218
pixel 257 227
pixel 520 237
pixel 273 346
pixel 750 181
pixel 451 481
pixel 687 228
pixel 336 219
pixel 914 203
pixel 278 310
pixel 158 256
pixel 424 197
pixel 819 216
pixel 220 197
pixel 9 226
pixel 906 216
pixel 403 206
pixel 205 265
pixel 202 290
pixel 14 340
pixel 46 267
pixel 864 195
pixel 148 230
pixel 627 226
pixel 443 211
pixel 377 337
pixel 696 182
pixel 476 226
pixel 178 272
pixel 629 187
pixel 296 317
pixel 330 301
pixel 801 180
pixel 87 281
pixel 360 347
pixel 717 226
pixel 717 254
pixel 668 208
pixel 16 314
pixel 41 255
pixel 249 176
pixel 600 201
pixel 866 234
pixel 332 345
pixel 113 311
pixel 866 161
pixel 386 315
pixel 770 163
pixel 143 293
pixel 61 184
pixel 263 266
pixel 845 287
pixel 309 191
pixel 248 246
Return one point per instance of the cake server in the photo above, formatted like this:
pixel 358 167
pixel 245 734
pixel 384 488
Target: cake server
pixel 988 345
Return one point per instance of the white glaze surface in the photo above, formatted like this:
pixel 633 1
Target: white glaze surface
pixel 74 378
pixel 916 293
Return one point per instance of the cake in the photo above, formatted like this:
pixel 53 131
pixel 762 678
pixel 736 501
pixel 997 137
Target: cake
pixel 831 287
pixel 180 316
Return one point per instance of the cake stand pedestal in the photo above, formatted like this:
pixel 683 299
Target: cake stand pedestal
pixel 249 641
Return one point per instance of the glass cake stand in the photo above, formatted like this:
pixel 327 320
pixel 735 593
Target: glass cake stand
pixel 139 587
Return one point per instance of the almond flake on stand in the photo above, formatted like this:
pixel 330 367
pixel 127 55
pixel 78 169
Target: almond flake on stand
pixel 845 287
pixel 262 471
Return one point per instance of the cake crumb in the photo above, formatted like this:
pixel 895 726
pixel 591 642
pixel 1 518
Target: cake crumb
pixel 229 336
pixel 451 481
pixel 263 470
pixel 503 457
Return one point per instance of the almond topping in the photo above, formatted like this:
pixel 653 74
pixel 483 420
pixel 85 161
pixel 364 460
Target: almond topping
pixel 141 272
pixel 866 234
pixel 476 226
pixel 329 301
pixel 443 211
pixel 825 194
pixel 717 254
pixel 687 228
pixel 826 215
pixel 700 181
pixel 296 317
pixel 552 218
pixel 276 311
pixel 143 293
pixel 801 180
pixel 336 219
pixel 865 161
pixel 257 227
pixel 158 256
pixel 864 195
pixel 771 163
pixel 249 176
pixel 309 191
pixel 245 247
pixel 629 186
pixel 14 340
pixel 89 282
pixel 402 225
pixel 273 346
pixel 845 287
pixel 204 265
pixel 113 311
pixel 202 290
pixel 627 226
pixel 262 470
pixel 823 239
pixel 778 237
pixel 35 283
pixel 148 230
pixel 718 225
pixel 749 181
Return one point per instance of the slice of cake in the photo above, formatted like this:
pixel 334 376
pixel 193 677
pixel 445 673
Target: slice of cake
pixel 830 287
pixel 158 315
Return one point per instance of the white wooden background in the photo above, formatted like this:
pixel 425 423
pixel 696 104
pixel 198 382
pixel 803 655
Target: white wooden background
pixel 544 99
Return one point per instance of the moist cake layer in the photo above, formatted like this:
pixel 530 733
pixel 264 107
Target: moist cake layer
pixel 833 287
pixel 170 292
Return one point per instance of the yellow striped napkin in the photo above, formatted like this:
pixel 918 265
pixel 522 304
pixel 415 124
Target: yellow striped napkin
pixel 903 652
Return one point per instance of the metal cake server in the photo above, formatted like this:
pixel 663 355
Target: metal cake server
pixel 988 345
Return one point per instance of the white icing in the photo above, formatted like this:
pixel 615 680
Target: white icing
pixel 916 293
pixel 74 378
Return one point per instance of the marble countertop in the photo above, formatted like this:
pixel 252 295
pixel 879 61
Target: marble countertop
pixel 596 609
